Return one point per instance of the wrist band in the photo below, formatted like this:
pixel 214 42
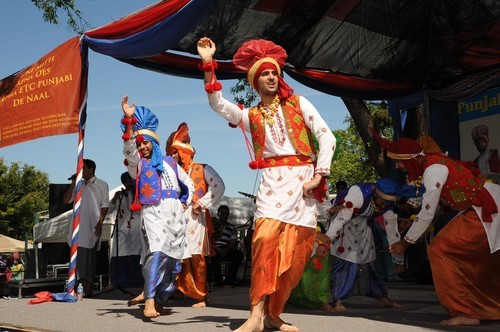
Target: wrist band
pixel 208 66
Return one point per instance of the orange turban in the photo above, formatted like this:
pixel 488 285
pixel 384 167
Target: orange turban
pixel 179 141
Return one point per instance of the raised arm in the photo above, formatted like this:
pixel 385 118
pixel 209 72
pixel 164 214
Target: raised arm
pixel 206 50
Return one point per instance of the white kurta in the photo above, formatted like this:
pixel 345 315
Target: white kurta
pixel 435 174
pixel 95 195
pixel 358 237
pixel 129 238
pixel 280 194
pixel 162 224
pixel 196 226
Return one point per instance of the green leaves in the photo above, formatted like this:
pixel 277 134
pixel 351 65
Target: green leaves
pixel 24 190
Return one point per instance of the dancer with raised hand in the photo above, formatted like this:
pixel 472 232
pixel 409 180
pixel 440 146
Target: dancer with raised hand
pixel 282 126
pixel 163 192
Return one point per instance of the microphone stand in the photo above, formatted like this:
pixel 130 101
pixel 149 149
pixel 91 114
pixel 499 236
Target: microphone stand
pixel 115 233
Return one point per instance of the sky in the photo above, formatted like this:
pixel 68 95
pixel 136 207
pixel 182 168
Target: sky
pixel 26 38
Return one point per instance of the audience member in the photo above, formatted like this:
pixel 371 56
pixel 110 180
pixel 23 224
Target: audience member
pixel 226 249
pixel 93 209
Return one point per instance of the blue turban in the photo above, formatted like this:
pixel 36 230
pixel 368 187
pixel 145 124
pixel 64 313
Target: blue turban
pixel 147 124
pixel 388 190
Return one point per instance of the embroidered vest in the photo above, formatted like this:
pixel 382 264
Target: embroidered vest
pixel 150 190
pixel 197 174
pixel 300 135
pixel 461 185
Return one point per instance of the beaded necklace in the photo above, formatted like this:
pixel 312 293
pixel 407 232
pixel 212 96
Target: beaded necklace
pixel 268 111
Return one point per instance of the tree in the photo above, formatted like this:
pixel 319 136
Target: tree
pixel 24 190
pixel 352 162
pixel 51 9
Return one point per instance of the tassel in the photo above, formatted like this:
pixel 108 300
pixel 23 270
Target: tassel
pixel 318 265
pixel 135 207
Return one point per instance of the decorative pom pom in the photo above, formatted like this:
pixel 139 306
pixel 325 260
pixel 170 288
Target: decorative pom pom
pixel 341 249
pixel 318 265
pixel 212 87
pixel 348 204
pixel 135 207
pixel 257 164
pixel 125 162
pixel 208 66
pixel 232 125
pixel 327 246
pixel 139 138
pixel 217 86
pixel 261 164
pixel 126 136
pixel 125 121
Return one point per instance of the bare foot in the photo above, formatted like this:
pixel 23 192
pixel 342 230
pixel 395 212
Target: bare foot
pixel 339 307
pixel 461 321
pixel 251 325
pixel 150 309
pixel 201 304
pixel 327 307
pixel 278 323
pixel 162 311
pixel 138 299
pixel 388 303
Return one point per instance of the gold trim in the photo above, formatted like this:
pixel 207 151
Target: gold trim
pixel 147 132
pixel 387 197
pixel 256 65
pixel 403 156
pixel 182 145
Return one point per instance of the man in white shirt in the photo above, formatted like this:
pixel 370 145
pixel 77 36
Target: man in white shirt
pixel 93 210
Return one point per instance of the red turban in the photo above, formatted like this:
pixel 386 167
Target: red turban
pixel 255 56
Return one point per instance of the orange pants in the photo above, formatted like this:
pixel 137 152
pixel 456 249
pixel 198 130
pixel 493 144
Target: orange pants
pixel 466 275
pixel 280 251
pixel 192 281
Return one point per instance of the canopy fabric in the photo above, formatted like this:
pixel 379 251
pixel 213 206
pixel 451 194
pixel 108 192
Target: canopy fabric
pixel 8 244
pixel 55 230
pixel 369 49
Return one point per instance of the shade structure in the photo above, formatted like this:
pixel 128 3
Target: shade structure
pixel 8 244
pixel 368 49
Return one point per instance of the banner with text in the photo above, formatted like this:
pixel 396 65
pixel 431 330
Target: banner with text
pixel 45 98
pixel 479 118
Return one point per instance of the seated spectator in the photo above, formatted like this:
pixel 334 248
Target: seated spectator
pixel 225 242
pixel 16 267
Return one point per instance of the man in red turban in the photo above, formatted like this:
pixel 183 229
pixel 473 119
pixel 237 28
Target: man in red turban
pixel 282 126
pixel 464 255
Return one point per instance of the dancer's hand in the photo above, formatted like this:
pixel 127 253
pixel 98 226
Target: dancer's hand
pixel 128 110
pixel 309 186
pixel 206 49
pixel 399 247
